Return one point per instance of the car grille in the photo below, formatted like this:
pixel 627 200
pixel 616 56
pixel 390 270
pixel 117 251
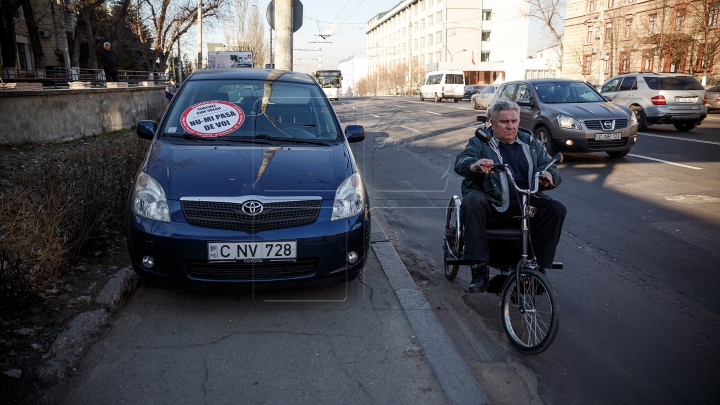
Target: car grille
pixel 251 271
pixel 603 145
pixel 226 215
pixel 596 125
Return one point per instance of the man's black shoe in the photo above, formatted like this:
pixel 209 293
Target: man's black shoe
pixel 480 278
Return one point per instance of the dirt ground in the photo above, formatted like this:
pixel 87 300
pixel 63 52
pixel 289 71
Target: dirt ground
pixel 28 327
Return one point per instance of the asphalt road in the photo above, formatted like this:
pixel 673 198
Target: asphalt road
pixel 640 309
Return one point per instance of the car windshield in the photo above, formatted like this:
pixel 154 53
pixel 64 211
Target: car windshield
pixel 251 111
pixel 567 92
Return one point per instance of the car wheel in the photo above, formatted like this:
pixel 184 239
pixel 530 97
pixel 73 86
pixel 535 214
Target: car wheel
pixel 472 104
pixel 457 100
pixel 618 153
pixel 684 126
pixel 640 115
pixel 437 98
pixel 421 97
pixel 544 137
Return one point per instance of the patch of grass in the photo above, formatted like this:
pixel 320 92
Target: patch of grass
pixel 56 205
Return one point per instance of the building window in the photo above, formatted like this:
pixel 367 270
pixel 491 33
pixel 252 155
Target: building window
pixel 611 3
pixel 22 56
pixel 652 19
pixel 713 15
pixel 430 39
pixel 648 61
pixel 589 37
pixel 487 15
pixel 430 58
pixel 608 32
pixel 484 56
pixel 422 42
pixel 592 5
pixel 422 24
pixel 438 16
pixel 438 55
pixel 415 43
pixel 430 20
pixel 606 64
pixel 438 37
pixel 624 62
pixel 628 27
pixel 485 36
pixel 679 19
pixel 587 64
pixel 416 26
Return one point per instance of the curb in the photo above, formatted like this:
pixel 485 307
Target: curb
pixel 70 344
pixel 450 368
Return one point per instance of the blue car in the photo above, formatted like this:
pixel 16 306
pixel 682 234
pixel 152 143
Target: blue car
pixel 249 180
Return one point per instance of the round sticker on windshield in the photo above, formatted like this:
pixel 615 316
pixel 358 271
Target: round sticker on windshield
pixel 212 118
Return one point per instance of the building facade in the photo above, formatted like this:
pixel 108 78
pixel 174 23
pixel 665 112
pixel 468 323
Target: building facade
pixel 490 41
pixel 604 38
pixel 354 69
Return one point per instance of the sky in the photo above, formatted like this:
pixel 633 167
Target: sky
pixel 344 20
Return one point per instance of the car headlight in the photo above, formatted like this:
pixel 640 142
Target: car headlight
pixel 349 198
pixel 148 199
pixel 633 119
pixel 568 122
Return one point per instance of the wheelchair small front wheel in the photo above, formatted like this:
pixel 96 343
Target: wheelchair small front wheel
pixel 531 315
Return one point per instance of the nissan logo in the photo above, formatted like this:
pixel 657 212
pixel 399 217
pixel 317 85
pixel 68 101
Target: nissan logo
pixel 252 207
pixel 607 124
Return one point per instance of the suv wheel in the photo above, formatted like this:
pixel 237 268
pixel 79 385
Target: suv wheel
pixel 684 126
pixel 472 104
pixel 543 135
pixel 437 98
pixel 640 115
pixel 618 153
pixel 421 97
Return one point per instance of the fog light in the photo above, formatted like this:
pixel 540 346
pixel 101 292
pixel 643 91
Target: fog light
pixel 352 257
pixel 569 142
pixel 148 262
pixel 634 138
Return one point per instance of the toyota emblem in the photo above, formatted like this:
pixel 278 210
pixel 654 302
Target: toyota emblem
pixel 252 207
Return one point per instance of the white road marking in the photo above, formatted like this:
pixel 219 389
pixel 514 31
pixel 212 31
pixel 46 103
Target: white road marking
pixel 434 113
pixel 411 129
pixel 679 139
pixel 665 161
pixel 376 116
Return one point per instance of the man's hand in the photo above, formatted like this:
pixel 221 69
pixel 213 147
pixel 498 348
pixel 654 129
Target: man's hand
pixel 546 179
pixel 482 166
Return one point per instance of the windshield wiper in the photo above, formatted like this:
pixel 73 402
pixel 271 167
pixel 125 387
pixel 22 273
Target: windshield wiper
pixel 293 140
pixel 190 137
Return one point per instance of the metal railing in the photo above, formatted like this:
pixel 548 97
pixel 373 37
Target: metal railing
pixel 59 77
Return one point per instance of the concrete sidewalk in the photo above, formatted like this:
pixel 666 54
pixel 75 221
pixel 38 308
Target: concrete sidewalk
pixel 374 340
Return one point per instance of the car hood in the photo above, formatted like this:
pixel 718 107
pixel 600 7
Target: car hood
pixel 265 170
pixel 583 111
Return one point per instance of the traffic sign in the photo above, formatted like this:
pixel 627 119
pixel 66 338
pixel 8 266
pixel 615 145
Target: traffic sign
pixel 298 14
pixel 407 74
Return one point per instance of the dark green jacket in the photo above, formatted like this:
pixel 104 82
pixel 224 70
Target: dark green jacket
pixel 495 186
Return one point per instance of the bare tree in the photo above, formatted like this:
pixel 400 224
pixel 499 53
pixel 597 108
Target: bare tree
pixel 703 21
pixel 552 15
pixel 246 31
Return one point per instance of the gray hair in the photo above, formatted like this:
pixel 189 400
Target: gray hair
pixel 500 105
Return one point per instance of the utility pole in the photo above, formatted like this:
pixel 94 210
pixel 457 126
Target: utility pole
pixel 199 47
pixel 284 34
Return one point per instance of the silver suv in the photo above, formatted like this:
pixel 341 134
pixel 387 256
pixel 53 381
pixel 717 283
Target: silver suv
pixel 659 98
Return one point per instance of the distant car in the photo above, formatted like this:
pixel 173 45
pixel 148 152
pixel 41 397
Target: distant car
pixel 249 180
pixel 713 98
pixel 472 89
pixel 571 116
pixel 481 99
pixel 659 98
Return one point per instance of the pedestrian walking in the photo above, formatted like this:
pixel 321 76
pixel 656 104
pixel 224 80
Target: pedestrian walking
pixel 171 89
pixel 110 63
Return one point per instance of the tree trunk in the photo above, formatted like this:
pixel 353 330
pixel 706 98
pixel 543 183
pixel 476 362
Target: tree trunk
pixel 32 26
pixel 91 41
pixel 121 23
pixel 7 32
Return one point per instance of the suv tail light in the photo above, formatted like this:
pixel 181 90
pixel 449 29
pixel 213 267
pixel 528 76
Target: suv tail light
pixel 658 100
pixel 705 100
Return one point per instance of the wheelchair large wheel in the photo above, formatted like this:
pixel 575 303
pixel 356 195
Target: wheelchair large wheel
pixel 530 316
pixel 453 237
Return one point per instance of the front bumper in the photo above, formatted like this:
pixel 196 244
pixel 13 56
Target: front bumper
pixel 180 252
pixel 584 141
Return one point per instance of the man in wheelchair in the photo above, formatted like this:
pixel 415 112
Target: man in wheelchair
pixel 489 198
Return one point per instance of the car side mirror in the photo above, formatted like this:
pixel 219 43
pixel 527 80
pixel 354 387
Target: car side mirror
pixel 482 135
pixel 146 129
pixel 355 133
pixel 526 102
pixel 607 98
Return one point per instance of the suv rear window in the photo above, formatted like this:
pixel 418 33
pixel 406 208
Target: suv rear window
pixel 673 83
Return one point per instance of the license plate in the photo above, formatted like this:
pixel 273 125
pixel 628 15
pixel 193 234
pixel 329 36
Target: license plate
pixel 607 137
pixel 685 99
pixel 449 91
pixel 252 251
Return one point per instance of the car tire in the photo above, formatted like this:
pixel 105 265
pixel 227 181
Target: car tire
pixel 472 104
pixel 640 115
pixel 457 100
pixel 618 153
pixel 421 97
pixel 684 126
pixel 543 136
pixel 437 98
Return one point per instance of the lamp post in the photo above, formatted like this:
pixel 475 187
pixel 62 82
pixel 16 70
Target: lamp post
pixel 199 47
pixel 452 54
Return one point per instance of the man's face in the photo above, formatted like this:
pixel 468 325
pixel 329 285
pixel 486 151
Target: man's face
pixel 505 125
pixel 107 47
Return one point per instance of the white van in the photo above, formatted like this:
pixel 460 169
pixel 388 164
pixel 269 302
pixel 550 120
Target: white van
pixel 443 84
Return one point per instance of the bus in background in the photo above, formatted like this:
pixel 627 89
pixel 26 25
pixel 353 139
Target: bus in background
pixel 331 83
